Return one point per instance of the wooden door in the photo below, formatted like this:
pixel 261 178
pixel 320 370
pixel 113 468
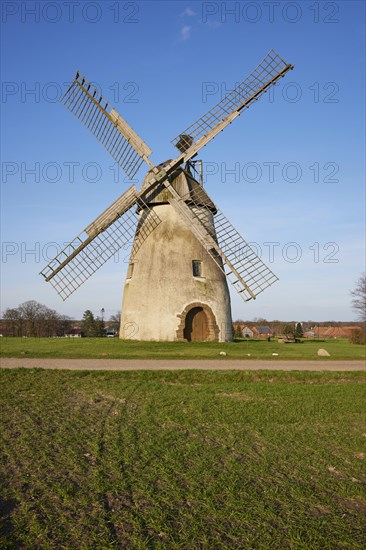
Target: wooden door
pixel 196 329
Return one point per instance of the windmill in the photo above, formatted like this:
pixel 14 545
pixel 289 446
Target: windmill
pixel 184 249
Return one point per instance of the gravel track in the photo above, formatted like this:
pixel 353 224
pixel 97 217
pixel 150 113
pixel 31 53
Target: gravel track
pixel 165 364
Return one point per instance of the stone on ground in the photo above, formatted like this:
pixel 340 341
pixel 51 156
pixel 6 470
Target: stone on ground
pixel 323 353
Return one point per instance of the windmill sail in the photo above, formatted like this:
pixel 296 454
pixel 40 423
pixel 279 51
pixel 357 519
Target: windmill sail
pixel 100 240
pixel 115 134
pixel 241 265
pixel 265 75
pixel 129 219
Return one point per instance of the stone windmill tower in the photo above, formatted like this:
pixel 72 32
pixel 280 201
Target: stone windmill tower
pixel 184 249
pixel 174 290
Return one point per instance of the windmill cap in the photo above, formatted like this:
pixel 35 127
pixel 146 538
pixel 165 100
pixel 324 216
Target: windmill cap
pixel 184 184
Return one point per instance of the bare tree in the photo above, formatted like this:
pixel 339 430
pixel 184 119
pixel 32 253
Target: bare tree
pixel 30 312
pixel 359 298
pixel 13 321
pixel 115 321
pixel 39 320
pixel 34 319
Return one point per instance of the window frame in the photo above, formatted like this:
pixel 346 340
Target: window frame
pixel 197 269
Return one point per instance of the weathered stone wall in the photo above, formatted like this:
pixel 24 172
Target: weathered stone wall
pixel 162 286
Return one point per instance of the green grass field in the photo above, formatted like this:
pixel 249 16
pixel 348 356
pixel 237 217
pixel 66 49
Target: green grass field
pixel 182 460
pixel 113 348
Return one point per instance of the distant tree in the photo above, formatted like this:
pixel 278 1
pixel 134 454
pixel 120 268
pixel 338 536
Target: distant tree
pixel 13 321
pixel 115 321
pixel 64 325
pixel 89 326
pixel 33 319
pixel 289 330
pixel 100 327
pixel 278 327
pixel 358 336
pixel 299 333
pixel 237 332
pixel 32 313
pixel 260 321
pixel 38 319
pixel 359 298
pixel 47 322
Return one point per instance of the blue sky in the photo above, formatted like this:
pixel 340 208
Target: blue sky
pixel 289 173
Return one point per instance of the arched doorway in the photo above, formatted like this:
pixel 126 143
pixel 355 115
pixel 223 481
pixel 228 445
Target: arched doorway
pixel 196 326
pixel 197 322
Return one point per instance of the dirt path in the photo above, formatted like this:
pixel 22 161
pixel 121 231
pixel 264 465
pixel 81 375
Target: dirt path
pixel 164 364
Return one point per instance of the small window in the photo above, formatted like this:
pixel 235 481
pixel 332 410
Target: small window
pixel 197 268
pixel 130 271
